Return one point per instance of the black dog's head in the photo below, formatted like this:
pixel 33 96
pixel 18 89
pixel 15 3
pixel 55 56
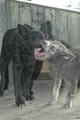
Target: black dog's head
pixel 30 37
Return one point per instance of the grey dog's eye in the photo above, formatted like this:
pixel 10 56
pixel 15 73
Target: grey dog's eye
pixel 52 48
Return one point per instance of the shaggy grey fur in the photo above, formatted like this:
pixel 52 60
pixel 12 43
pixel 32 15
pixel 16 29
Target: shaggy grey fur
pixel 63 63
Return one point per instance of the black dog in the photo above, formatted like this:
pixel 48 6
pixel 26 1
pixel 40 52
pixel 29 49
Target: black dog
pixel 18 45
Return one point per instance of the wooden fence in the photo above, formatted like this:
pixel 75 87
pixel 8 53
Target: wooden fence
pixel 65 24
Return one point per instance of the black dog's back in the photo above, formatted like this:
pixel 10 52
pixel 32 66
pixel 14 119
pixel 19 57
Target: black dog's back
pixel 10 34
pixel 8 39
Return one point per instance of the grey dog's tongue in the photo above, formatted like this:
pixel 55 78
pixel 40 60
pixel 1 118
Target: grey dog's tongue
pixel 38 53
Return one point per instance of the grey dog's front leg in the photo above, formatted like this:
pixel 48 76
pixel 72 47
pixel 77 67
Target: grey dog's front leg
pixel 55 91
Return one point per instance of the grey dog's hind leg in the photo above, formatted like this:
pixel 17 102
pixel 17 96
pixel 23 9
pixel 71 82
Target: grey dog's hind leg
pixel 71 89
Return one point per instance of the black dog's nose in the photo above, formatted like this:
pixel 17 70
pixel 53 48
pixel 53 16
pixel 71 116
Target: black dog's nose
pixel 42 41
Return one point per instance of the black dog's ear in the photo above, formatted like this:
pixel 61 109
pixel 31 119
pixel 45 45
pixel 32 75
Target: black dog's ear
pixel 23 30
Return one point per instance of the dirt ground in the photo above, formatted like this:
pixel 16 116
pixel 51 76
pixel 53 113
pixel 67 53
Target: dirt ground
pixel 39 109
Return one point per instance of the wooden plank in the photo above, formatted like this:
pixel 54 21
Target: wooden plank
pixel 24 14
pixel 37 16
pixel 69 29
pixel 58 24
pixel 14 14
pixel 64 27
pixel 8 12
pixel 49 15
pixel 75 30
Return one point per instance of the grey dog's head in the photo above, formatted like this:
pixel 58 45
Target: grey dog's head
pixel 53 50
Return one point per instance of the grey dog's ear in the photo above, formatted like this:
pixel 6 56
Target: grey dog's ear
pixel 68 55
pixel 23 30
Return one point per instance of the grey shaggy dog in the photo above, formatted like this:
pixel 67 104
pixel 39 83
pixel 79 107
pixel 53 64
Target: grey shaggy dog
pixel 64 64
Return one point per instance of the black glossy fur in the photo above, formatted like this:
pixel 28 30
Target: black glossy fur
pixel 18 45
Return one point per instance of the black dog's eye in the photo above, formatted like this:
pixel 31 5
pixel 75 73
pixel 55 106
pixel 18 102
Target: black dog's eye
pixel 52 48
pixel 40 37
pixel 33 38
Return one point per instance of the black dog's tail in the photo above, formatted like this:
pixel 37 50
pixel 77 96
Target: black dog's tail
pixel 6 77
pixel 0 63
pixel 0 69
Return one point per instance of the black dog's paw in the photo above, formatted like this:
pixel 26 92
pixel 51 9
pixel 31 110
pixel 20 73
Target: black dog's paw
pixel 31 92
pixel 20 101
pixel 29 98
pixel 1 92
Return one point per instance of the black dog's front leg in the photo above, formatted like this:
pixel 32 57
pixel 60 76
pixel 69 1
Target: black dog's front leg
pixel 17 86
pixel 26 85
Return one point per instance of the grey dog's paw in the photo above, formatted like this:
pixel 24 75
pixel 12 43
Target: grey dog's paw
pixel 67 105
pixel 52 101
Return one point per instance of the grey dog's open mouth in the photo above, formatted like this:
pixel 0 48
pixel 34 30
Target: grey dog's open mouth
pixel 39 52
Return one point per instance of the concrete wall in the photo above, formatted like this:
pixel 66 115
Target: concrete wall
pixel 2 20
